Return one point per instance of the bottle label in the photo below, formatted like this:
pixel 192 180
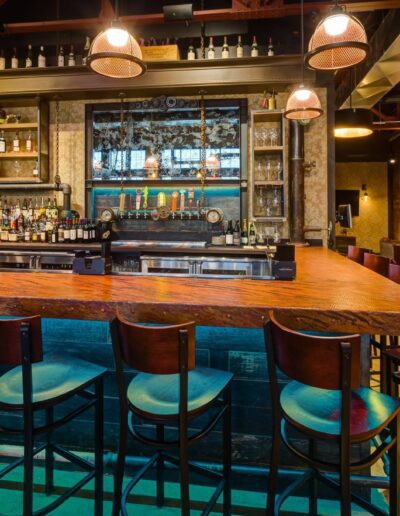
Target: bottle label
pixel 229 239
pixel 79 233
pixel 60 61
pixel 71 61
pixel 239 52
pixel 41 61
pixel 28 62
pixel 16 145
pixel 72 234
pixel 28 145
pixel 191 56
pixel 53 238
pixel 211 53
pixel 2 63
pixel 85 234
pixel 2 146
pixel 14 62
pixel 254 52
pixel 225 54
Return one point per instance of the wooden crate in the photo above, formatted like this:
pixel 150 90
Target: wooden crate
pixel 161 53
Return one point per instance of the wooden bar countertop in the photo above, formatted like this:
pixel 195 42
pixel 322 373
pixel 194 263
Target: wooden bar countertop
pixel 330 292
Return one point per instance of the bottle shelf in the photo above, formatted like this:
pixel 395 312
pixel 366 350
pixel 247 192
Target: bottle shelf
pixel 270 219
pixel 275 148
pixel 269 183
pixel 18 126
pixel 18 155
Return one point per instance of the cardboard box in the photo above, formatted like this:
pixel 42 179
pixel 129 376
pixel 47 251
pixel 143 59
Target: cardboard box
pixel 161 53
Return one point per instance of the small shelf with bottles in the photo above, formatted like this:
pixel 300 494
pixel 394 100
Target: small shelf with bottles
pixel 268 165
pixel 24 142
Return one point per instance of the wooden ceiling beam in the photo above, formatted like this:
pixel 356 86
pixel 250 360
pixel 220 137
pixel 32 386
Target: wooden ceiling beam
pixel 273 9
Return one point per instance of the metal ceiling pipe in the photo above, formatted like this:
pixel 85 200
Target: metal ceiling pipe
pixel 296 182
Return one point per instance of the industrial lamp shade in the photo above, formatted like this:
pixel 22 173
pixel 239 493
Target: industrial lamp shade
pixel 339 41
pixel 303 104
pixel 353 123
pixel 115 53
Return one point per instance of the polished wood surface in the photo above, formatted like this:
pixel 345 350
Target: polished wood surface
pixel 330 293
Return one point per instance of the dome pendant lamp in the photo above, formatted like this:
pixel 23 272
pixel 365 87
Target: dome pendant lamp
pixel 303 103
pixel 339 41
pixel 115 53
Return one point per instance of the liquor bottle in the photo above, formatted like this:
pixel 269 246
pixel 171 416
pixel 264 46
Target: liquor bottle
pixel 41 58
pixel 211 49
pixel 2 60
pixel 36 210
pixel 254 48
pixel 54 233
pixel 67 231
pixel 49 209
pixel 2 142
pixel 29 58
pixel 28 142
pixel 86 49
pixel 27 233
pixel 13 233
pixel 252 234
pixel 93 231
pixel 30 209
pixel 35 171
pixel 229 234
pixel 61 57
pixel 16 143
pixel 236 234
pixel 225 49
pixel 239 47
pixel 271 50
pixel 60 232
pixel 272 101
pixel 244 239
pixel 85 232
pixel 79 232
pixel 191 55
pixel 14 59
pixel 71 56
pixel 72 233
pixel 43 233
pixel 24 209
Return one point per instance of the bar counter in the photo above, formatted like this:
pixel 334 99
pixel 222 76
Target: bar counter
pixel 329 293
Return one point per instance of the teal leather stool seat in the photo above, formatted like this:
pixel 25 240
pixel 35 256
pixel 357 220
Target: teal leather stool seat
pixel 34 384
pixel 169 390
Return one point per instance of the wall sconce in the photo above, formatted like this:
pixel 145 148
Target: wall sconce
pixel 364 189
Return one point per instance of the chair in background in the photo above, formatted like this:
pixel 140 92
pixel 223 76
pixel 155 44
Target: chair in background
pixel 168 390
pixel 324 401
pixel 357 253
pixel 394 272
pixel 377 263
pixel 37 385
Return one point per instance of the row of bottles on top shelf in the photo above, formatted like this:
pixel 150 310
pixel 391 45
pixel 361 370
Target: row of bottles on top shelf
pixel 30 221
pixel 226 52
pixel 39 60
pixel 16 143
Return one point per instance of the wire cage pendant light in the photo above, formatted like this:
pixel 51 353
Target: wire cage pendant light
pixel 339 41
pixel 303 103
pixel 115 53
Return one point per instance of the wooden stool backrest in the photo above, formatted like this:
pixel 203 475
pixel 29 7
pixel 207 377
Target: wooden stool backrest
pixel 313 360
pixel 12 331
pixel 377 263
pixel 356 253
pixel 394 272
pixel 154 349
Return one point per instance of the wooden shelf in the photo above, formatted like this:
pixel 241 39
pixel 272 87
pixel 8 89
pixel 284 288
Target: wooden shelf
pixel 275 148
pixel 18 155
pixel 18 126
pixel 270 219
pixel 269 183
pixel 18 180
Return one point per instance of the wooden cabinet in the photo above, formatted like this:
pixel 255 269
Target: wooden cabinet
pixel 33 119
pixel 268 165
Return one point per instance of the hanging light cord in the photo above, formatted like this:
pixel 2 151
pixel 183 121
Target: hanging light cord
pixel 203 147
pixel 57 178
pixel 302 42
pixel 121 136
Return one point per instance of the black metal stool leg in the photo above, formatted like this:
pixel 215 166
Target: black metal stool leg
pixel 28 464
pixel 394 454
pixel 383 341
pixel 273 471
pixel 313 493
pixel 99 445
pixel 160 469
pixel 120 466
pixel 184 470
pixel 227 445
pixel 345 488
pixel 49 455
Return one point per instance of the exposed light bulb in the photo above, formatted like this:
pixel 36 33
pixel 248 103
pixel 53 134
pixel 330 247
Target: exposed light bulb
pixel 117 37
pixel 302 94
pixel 336 24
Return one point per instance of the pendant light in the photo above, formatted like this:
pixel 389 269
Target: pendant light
pixel 339 41
pixel 303 103
pixel 353 122
pixel 115 53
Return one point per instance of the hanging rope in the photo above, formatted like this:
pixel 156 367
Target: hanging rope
pixel 121 149
pixel 57 178
pixel 203 127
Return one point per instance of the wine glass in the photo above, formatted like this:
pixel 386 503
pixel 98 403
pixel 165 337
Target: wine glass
pixel 268 170
pixel 274 135
pixel 261 199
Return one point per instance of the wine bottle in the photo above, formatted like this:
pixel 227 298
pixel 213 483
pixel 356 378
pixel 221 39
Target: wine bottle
pixel 225 49
pixel 229 234
pixel 41 58
pixel 35 171
pixel 211 49
pixel 254 48
pixel 86 49
pixel 29 58
pixel 16 143
pixel 71 56
pixel 28 142
pixel 2 142
pixel 61 57
pixel 244 238
pixel 2 60
pixel 271 50
pixel 191 55
pixel 252 234
pixel 236 234
pixel 14 59
pixel 239 47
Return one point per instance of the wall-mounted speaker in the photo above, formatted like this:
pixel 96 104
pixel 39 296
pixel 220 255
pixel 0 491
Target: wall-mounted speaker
pixel 181 12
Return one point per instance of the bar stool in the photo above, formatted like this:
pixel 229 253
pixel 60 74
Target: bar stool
pixel 169 389
pixel 357 253
pixel 43 385
pixel 377 263
pixel 324 401
pixel 394 272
